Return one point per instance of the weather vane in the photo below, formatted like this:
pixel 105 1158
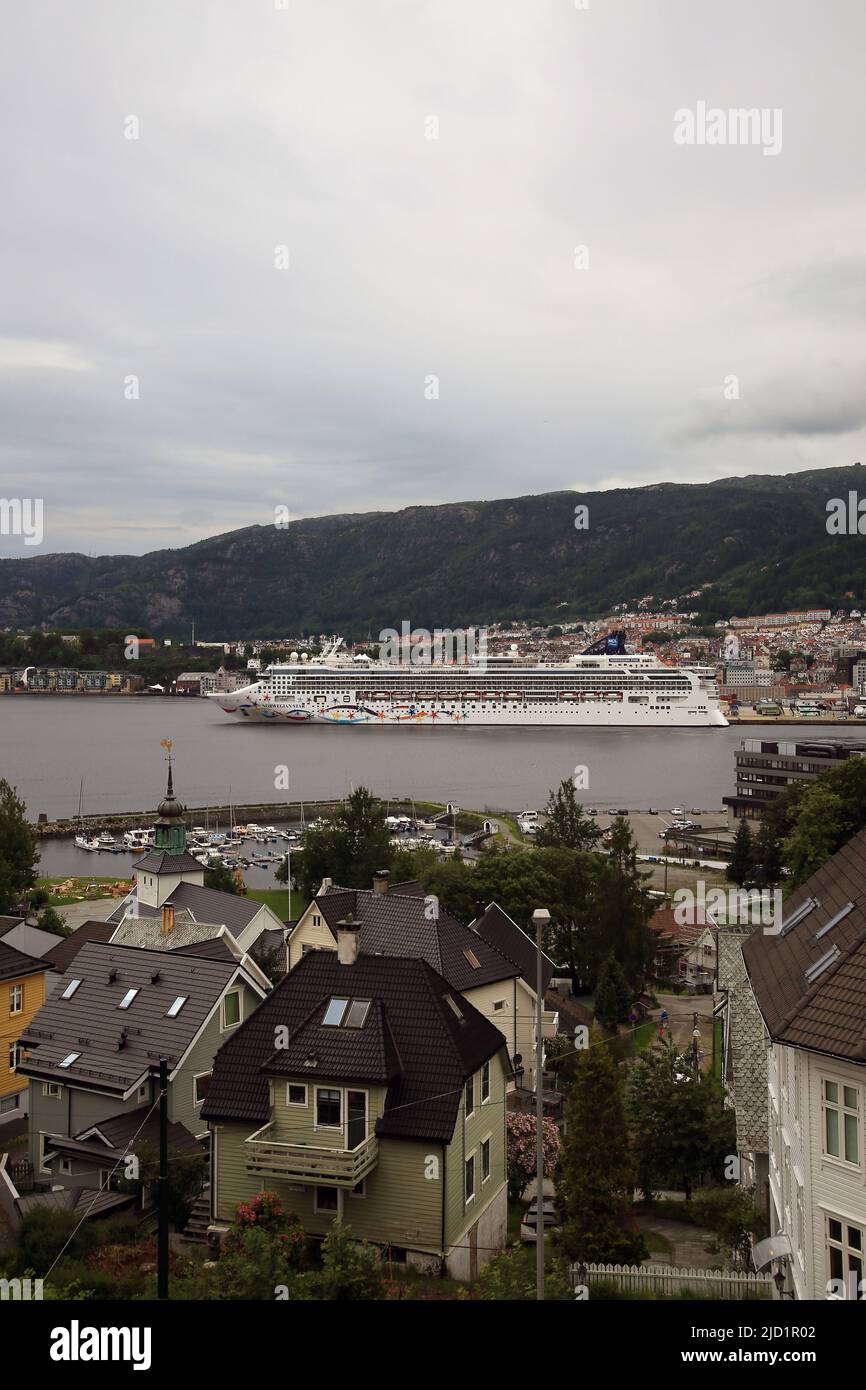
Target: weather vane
pixel 167 744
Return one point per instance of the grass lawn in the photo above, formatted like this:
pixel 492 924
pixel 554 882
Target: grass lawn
pixel 656 1243
pixel 277 900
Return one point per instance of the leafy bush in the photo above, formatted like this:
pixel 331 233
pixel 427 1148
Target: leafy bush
pixel 45 1232
pixel 730 1213
pixel 510 1277
pixel 123 1230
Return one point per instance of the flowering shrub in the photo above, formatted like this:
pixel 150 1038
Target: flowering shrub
pixel 264 1211
pixel 521 1159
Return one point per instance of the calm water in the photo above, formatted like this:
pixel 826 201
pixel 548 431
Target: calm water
pixel 48 744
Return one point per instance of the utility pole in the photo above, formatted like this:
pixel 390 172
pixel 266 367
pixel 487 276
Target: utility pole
pixel 541 918
pixel 162 1186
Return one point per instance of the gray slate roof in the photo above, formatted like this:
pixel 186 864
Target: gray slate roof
pixel 747 1049
pixel 399 926
pixel 205 905
pixel 147 932
pixel 434 1050
pixel 159 861
pixel 90 1022
pixel 14 963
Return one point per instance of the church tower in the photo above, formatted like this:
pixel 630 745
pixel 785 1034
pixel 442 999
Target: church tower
pixel 170 828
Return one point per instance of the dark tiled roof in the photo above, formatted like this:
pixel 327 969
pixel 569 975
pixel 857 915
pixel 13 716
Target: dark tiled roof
pixel 214 949
pixel 14 964
pixel 827 1013
pixel 7 923
pixel 399 926
pixel 500 931
pixel 90 1022
pixel 67 948
pixel 340 1054
pixel 159 861
pixel 434 1050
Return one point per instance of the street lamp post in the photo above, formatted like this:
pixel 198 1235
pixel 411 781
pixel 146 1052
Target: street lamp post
pixel 541 918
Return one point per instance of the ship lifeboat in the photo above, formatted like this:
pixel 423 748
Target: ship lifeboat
pixel 512 695
pixel 569 695
pixel 381 695
pixel 470 695
pixel 613 694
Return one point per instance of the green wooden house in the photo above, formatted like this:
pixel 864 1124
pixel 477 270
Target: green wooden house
pixel 366 1089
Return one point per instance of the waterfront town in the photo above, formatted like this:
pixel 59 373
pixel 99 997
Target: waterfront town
pixel 350 1072
pixel 815 657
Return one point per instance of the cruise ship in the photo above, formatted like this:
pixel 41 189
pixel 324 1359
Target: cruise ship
pixel 603 686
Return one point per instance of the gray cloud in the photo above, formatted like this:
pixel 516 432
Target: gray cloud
pixel 411 257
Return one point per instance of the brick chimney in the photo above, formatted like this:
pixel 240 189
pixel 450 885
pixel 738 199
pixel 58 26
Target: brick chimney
pixel 348 932
pixel 381 879
pixel 325 885
pixel 167 919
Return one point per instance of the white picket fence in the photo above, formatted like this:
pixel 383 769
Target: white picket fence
pixel 669 1279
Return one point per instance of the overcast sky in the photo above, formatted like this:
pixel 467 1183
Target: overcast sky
pixel 410 257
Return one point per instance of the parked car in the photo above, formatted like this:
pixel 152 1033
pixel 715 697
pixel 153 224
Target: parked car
pixel 592 811
pixel 529 1224
pixel 678 811
pixel 652 811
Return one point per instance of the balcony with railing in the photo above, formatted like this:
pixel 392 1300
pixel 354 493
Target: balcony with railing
pixel 271 1157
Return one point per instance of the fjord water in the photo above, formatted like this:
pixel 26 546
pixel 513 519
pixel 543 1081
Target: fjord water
pixel 47 744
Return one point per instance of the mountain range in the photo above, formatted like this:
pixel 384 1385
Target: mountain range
pixel 754 544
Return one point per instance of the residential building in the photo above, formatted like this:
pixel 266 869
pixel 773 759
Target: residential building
pixel 398 923
pixel 809 983
pixel 22 991
pixel 92 1052
pixel 168 877
pixel 744 1062
pixel 765 768
pixel 367 1089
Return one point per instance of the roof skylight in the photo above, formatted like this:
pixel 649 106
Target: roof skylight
pixel 334 1013
pixel 817 968
pixel 472 958
pixel 127 998
pixel 176 1006
pixel 69 1059
pixel 455 1007
pixel 357 1015
pixel 70 989
pixel 834 921
pixel 798 915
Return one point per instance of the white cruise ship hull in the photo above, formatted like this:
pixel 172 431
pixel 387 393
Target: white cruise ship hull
pixel 617 690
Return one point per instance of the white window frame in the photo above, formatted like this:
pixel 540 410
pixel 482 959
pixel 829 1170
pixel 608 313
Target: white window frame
pixel 298 1104
pixel 43 1135
pixel 325 1211
pixel 197 1077
pixel 226 1027
pixel 844 1247
pixel 470 1158
pixel 65 1167
pixel 14 1058
pixel 486 1143
pixel 485 1080
pixel 16 991
pixel 50 1094
pixel 329 1129
pixel 469 1089
pixel 841 1110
